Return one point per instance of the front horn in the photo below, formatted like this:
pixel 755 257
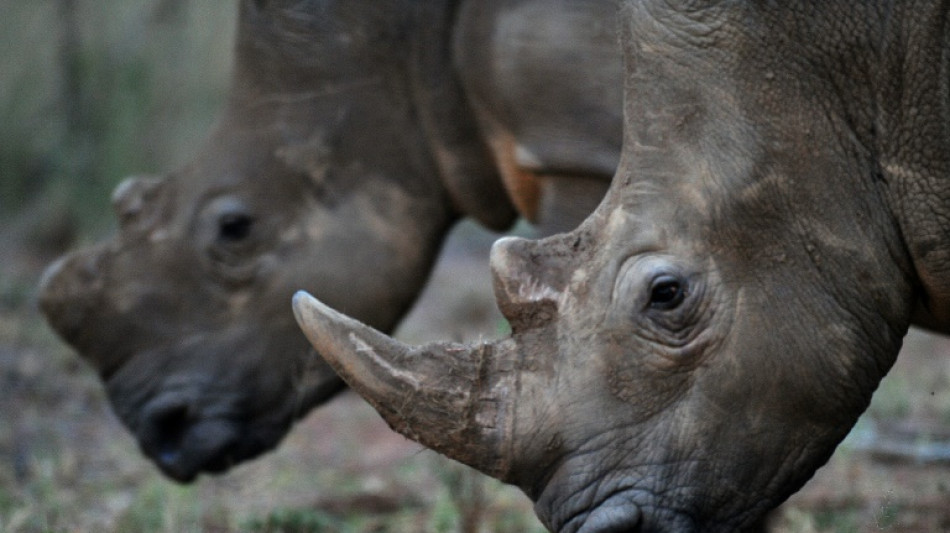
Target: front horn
pixel 456 399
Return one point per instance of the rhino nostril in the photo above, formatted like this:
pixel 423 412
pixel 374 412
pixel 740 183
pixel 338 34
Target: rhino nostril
pixel 169 427
pixel 183 443
pixel 172 422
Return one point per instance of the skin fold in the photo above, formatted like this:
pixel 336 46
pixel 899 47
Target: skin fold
pixel 687 357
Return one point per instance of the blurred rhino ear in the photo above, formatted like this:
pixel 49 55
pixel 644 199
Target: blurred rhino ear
pixel 452 398
pixel 528 283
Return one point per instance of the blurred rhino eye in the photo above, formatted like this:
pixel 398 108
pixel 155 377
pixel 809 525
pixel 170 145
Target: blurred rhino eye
pixel 667 292
pixel 234 226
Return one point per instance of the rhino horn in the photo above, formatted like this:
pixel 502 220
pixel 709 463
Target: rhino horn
pixel 132 196
pixel 527 285
pixel 452 398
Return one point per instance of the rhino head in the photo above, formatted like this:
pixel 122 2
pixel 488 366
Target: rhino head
pixel 695 350
pixel 318 175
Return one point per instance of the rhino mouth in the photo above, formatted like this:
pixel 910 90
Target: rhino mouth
pixel 194 411
pixel 187 430
pixel 183 444
pixel 618 512
pixel 194 428
pixel 206 446
pixel 181 440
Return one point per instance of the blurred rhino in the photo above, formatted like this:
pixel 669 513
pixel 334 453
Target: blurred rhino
pixel 355 135
pixel 687 357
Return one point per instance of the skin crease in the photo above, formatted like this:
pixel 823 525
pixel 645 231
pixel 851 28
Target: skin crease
pixel 352 140
pixel 688 357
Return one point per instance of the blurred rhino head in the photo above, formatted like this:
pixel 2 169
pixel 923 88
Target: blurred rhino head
pixel 318 175
pixel 692 353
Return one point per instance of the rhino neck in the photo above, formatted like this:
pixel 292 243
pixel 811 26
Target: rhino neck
pixel 464 161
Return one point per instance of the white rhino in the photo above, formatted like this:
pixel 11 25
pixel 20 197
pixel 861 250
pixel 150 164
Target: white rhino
pixel 687 357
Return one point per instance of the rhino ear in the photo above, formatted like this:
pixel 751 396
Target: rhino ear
pixel 528 284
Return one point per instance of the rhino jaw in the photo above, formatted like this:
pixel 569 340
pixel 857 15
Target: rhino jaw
pixel 452 398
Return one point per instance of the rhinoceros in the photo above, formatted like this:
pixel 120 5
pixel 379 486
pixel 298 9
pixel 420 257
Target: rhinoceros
pixel 687 357
pixel 354 136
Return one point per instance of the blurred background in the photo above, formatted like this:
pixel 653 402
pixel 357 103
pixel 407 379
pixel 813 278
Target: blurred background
pixel 94 90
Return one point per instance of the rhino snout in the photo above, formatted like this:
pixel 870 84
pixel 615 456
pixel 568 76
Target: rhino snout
pixel 183 443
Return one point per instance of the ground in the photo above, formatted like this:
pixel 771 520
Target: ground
pixel 67 464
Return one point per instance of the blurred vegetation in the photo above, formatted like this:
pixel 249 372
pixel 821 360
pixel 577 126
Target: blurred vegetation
pixel 94 90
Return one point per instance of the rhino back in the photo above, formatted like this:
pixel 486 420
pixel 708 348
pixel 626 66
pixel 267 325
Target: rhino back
pixel 548 75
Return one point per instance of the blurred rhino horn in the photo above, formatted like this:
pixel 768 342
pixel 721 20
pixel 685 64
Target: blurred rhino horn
pixel 453 398
pixel 130 196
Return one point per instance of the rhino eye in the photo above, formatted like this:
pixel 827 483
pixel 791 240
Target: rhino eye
pixel 234 227
pixel 667 292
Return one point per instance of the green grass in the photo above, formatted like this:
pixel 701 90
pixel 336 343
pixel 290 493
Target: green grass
pixel 162 507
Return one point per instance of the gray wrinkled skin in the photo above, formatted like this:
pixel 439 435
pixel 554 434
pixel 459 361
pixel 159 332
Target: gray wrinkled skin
pixel 688 357
pixel 348 148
